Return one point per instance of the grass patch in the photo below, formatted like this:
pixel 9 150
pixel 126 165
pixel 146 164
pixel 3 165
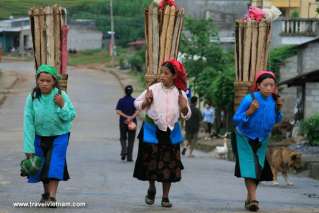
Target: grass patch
pixel 21 8
pixel 89 57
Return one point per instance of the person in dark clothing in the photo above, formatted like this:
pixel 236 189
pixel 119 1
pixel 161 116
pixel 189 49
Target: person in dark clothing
pixel 126 110
pixel 192 127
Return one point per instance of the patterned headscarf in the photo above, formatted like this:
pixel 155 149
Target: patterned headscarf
pixel 181 75
pixel 261 74
pixel 46 68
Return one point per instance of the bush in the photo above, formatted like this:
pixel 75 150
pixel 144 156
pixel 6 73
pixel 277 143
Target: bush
pixel 295 14
pixel 310 128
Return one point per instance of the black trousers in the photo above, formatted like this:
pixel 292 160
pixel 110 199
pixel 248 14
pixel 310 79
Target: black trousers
pixel 127 138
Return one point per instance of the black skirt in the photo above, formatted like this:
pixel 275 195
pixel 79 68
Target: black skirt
pixel 158 162
pixel 262 173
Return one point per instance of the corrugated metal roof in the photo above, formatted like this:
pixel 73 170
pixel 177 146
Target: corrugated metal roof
pixel 14 29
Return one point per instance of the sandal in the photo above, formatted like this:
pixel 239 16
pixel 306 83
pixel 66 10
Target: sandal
pixel 252 205
pixel 184 151
pixel 150 197
pixel 165 203
pixel 52 202
pixel 44 197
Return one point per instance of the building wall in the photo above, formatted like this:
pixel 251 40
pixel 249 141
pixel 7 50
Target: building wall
pixel 25 45
pixel 222 12
pixel 289 96
pixel 312 99
pixel 307 62
pixel 306 8
pixel 310 56
pixel 82 39
pixel 289 69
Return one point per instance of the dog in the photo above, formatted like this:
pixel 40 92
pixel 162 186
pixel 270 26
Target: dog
pixel 281 160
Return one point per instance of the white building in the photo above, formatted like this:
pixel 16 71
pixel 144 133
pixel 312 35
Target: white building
pixel 15 35
pixel 84 36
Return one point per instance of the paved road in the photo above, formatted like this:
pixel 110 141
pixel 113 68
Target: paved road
pixel 105 183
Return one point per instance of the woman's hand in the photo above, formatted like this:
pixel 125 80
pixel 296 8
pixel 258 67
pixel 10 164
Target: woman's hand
pixel 129 119
pixel 183 103
pixel 279 103
pixel 148 99
pixel 28 155
pixel 252 108
pixel 58 99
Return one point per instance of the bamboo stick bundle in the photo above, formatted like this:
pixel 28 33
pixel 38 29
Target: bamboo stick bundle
pixel 268 40
pixel 42 36
pixel 261 46
pixel 181 14
pixel 251 49
pixel 35 23
pixel 50 38
pixel 148 30
pixel 162 31
pixel 49 26
pixel 240 50
pixel 169 34
pixel 175 33
pixel 156 41
pixel 163 35
pixel 57 36
pixel 247 51
pixel 254 56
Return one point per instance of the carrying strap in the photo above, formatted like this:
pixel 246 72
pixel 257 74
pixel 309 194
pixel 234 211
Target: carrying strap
pixel 252 95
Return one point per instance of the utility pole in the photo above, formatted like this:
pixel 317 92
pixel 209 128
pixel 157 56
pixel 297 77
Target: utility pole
pixel 112 45
pixel 289 8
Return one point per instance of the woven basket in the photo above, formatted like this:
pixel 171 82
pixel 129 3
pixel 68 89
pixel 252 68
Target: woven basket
pixel 241 90
pixel 63 82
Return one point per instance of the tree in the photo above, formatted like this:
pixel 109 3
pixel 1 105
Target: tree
pixel 210 67
pixel 128 17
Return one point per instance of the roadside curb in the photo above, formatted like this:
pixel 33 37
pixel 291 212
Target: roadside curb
pixel 7 81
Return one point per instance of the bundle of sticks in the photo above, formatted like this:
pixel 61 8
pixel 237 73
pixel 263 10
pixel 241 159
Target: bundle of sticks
pixel 163 27
pixel 251 53
pixel 49 36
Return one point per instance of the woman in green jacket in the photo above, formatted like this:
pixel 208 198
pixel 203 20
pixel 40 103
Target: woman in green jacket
pixel 48 116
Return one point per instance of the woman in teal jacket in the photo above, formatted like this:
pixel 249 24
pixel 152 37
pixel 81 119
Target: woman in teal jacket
pixel 48 116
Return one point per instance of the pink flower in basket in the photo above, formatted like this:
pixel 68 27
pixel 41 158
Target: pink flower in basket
pixel 255 13
pixel 162 3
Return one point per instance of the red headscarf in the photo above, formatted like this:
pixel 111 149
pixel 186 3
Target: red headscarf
pixel 163 3
pixel 181 76
pixel 260 74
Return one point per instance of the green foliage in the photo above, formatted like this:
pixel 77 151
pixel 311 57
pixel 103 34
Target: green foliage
pixel 209 67
pixel 295 14
pixel 310 127
pixel 89 57
pixel 21 8
pixel 128 15
pixel 278 57
pixel 222 89
pixel 137 61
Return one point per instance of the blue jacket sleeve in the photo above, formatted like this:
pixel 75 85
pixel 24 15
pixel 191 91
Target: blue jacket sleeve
pixel 28 127
pixel 240 114
pixel 67 113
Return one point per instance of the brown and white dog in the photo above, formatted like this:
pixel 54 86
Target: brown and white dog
pixel 281 160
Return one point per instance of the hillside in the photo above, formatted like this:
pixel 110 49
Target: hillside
pixel 128 15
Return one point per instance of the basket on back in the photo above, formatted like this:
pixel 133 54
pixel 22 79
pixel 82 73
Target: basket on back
pixel 251 53
pixel 49 36
pixel 163 27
